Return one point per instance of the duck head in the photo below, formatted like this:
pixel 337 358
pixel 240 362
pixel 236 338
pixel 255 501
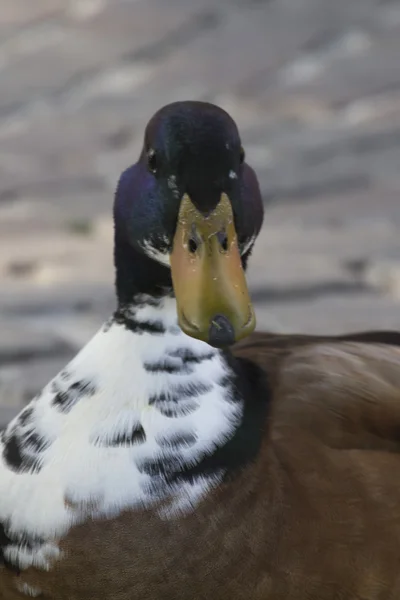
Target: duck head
pixel 186 218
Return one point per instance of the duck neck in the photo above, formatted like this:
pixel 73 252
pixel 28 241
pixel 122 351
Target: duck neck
pixel 137 274
pixel 148 311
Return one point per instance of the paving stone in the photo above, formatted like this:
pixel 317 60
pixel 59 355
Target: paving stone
pixel 345 79
pixel 21 343
pixel 18 13
pixel 19 383
pixel 331 315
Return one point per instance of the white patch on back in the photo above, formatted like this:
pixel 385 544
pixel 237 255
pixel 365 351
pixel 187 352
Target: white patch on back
pixel 79 478
pixel 28 590
pixel 43 557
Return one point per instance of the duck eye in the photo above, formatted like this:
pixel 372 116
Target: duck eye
pixel 152 161
pixel 242 155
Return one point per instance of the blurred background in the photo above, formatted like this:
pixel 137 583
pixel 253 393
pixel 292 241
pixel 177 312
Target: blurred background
pixel 314 86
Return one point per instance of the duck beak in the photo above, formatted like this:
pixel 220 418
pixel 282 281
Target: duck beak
pixel 208 278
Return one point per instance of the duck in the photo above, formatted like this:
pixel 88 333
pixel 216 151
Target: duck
pixel 184 455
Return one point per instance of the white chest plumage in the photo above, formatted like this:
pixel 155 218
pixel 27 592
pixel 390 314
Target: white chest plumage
pixel 140 403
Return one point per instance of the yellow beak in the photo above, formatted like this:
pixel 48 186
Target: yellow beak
pixel 208 278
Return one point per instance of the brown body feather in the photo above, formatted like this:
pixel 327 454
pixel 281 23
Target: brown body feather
pixel 316 515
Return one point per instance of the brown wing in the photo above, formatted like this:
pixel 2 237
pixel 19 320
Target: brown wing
pixel 344 390
pixel 333 445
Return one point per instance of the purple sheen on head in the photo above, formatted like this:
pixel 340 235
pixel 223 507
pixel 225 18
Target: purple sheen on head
pixel 253 208
pixel 197 146
pixel 133 198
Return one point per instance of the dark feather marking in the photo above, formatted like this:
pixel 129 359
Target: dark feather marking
pixel 250 386
pixel 172 412
pixel 23 444
pixel 162 466
pixel 178 440
pixel 83 387
pixel 12 452
pixel 181 392
pixel 168 366
pixel 191 390
pixel 4 542
pixel 226 381
pixel 23 540
pixel 15 457
pixel 34 441
pixel 25 415
pixel 130 323
pixel 187 356
pixel 129 438
pixel 65 400
pixel 60 399
pixel 156 487
pixel 182 400
pixel 142 300
pixel 108 324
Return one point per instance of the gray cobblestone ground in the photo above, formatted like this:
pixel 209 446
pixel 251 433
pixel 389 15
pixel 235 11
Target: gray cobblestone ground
pixel 315 88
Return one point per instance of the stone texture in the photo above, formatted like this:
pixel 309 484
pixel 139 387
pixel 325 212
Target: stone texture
pixel 314 86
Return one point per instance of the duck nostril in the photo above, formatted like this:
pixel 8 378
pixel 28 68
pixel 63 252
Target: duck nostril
pixel 223 240
pixel 192 245
pixel 194 241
